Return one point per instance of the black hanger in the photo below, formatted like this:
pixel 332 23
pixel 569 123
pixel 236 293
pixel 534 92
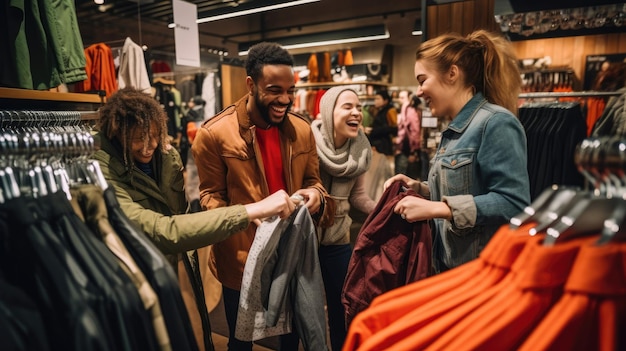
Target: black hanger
pixel 587 216
pixel 615 225
pixel 551 211
pixel 531 212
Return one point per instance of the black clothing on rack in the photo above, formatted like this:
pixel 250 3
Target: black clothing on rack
pixel 36 261
pixel 159 273
pixel 552 130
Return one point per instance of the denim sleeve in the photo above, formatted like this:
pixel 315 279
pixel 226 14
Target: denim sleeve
pixel 503 176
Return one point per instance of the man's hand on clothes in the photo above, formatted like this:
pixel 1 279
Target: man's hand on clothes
pixel 312 199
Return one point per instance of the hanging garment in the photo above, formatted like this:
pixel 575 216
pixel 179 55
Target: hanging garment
pixel 167 100
pixel 283 281
pixel 92 206
pixel 313 68
pixel 21 325
pixel 129 322
pixel 209 94
pixel 504 320
pixel 376 328
pixel 159 273
pixel 133 71
pixel 613 118
pixel 389 252
pixel 348 60
pixel 41 266
pixel 553 131
pixel 43 47
pixel 100 68
pixel 590 315
pixel 571 295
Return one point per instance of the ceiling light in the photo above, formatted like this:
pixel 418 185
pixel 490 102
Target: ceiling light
pixel 248 9
pixel 98 2
pixel 417 27
pixel 354 35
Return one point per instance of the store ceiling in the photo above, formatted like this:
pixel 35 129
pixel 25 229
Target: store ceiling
pixel 145 22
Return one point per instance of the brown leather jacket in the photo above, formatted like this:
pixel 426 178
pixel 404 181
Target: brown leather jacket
pixel 231 171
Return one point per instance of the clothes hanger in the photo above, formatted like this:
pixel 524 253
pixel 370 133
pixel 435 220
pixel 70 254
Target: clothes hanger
pixel 10 187
pixel 559 203
pixel 541 204
pixel 589 213
pixel 615 225
pixel 587 216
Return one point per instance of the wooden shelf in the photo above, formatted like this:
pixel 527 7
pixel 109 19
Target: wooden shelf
pixel 12 98
pixel 12 93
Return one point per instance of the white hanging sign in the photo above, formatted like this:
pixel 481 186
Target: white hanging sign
pixel 186 33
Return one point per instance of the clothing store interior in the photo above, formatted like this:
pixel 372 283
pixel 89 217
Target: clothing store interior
pixel 63 60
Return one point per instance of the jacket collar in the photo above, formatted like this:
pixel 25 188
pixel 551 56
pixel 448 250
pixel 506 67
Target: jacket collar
pixel 467 113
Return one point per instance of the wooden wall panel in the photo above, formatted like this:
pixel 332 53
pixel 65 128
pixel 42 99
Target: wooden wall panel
pixel 233 84
pixel 461 17
pixel 458 18
pixel 468 15
pixel 444 18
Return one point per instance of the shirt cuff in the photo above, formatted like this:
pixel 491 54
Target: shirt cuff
pixel 463 209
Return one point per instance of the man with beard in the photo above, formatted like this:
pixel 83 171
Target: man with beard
pixel 248 151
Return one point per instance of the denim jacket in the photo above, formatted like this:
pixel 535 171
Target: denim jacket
pixel 480 171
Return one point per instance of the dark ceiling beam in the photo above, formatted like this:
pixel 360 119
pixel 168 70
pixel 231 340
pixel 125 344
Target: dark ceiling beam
pixel 262 32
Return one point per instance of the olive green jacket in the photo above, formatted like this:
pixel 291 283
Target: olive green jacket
pixel 158 207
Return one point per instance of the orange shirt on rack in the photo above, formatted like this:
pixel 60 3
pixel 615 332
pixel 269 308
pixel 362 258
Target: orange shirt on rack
pixel 100 70
pixel 591 315
pixel 508 318
pixel 313 68
pixel 348 60
pixel 595 107
pixel 427 326
pixel 401 317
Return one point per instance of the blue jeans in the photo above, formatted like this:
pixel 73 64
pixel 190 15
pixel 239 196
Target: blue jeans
pixel 288 342
pixel 334 260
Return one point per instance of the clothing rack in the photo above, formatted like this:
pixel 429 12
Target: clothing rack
pixel 72 252
pixel 184 73
pixel 568 94
pixel 108 42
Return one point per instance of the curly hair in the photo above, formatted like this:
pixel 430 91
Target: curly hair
pixel 126 110
pixel 266 53
pixel 487 60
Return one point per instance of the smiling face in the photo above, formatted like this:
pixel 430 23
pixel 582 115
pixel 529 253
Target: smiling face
pixel 432 88
pixel 273 94
pixel 142 146
pixel 347 117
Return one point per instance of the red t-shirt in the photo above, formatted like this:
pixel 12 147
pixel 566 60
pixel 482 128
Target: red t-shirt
pixel 269 143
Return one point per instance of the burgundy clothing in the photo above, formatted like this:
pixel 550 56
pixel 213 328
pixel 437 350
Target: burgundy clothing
pixel 389 252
